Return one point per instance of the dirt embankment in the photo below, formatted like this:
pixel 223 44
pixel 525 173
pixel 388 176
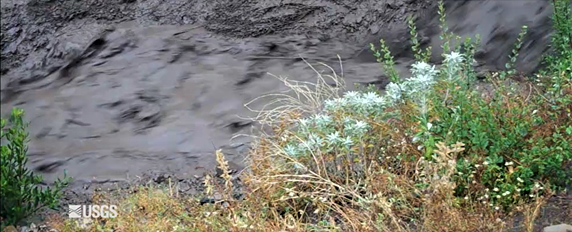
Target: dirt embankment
pixel 118 87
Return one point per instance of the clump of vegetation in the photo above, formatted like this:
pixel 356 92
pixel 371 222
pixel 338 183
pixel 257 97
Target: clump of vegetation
pixel 430 153
pixel 21 196
pixel 559 60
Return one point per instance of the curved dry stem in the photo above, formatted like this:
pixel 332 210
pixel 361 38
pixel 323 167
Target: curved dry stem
pixel 302 96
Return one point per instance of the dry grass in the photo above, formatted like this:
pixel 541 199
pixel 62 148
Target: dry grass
pixel 387 187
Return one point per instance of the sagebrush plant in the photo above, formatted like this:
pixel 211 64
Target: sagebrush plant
pixel 19 191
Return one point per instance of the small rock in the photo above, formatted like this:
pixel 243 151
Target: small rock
pixel 374 29
pixel 558 228
pixel 33 227
pixel 217 196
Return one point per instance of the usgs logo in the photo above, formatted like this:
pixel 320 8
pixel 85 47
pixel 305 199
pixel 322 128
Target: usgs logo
pixel 92 211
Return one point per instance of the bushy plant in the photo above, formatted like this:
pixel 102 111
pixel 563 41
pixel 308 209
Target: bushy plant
pixel 513 149
pixel 506 157
pixel 19 191
pixel 505 152
pixel 359 152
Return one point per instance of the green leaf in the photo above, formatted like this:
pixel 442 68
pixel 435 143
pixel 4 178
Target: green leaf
pixel 19 191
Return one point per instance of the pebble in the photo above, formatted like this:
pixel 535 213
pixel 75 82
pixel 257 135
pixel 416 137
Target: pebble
pixel 32 228
pixel 558 228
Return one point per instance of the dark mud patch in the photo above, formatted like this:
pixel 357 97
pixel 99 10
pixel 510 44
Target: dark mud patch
pixel 39 33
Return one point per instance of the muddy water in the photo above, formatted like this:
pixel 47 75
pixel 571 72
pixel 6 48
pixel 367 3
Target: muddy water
pixel 113 89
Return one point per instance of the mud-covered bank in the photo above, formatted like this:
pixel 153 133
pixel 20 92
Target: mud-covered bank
pixel 117 88
pixel 35 25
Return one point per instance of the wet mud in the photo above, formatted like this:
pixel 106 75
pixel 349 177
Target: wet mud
pixel 116 88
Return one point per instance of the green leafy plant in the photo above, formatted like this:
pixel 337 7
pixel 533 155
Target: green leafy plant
pixel 418 53
pixel 560 60
pixel 510 66
pixel 21 196
pixel 557 75
pixel 445 36
pixel 506 160
pixel 383 56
